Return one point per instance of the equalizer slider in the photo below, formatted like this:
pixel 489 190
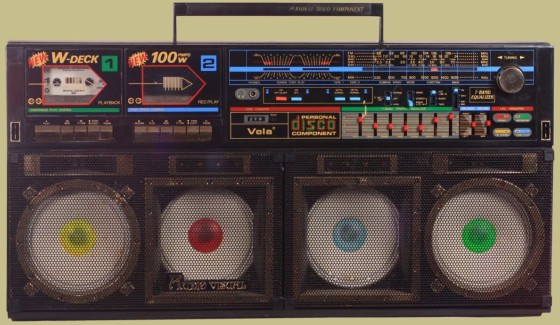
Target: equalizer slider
pixel 399 122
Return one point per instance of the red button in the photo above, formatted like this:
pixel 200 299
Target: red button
pixel 375 125
pixel 420 128
pixel 436 120
pixel 360 119
pixel 281 98
pixel 405 128
pixel 473 124
pixel 390 126
pixel 450 116
pixel 488 123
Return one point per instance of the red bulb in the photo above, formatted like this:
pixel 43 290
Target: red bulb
pixel 205 235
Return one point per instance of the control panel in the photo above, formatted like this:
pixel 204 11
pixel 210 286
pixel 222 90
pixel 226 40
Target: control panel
pixel 382 94
pixel 226 95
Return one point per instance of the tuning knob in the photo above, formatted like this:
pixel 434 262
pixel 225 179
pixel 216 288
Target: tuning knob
pixel 510 79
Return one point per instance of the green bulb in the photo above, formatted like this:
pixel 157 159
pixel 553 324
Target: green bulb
pixel 479 235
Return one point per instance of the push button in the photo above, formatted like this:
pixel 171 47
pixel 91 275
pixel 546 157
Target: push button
pixel 152 134
pixel 205 134
pixel 80 132
pixel 166 133
pixel 66 133
pixel 47 133
pixel 93 132
pixel 140 133
pixel 106 133
pixel 502 117
pixel 179 133
pixel 522 117
pixel 522 132
pixel 193 132
pixel 502 132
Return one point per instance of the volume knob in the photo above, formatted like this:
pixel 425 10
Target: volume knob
pixel 510 79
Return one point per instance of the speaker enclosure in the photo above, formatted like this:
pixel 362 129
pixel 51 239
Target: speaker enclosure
pixel 432 177
pixel 532 224
pixel 91 195
pixel 280 188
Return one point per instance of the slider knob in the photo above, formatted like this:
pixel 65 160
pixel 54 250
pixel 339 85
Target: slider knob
pixel 510 79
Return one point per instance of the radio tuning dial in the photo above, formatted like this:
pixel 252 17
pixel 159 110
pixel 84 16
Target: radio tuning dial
pixel 510 79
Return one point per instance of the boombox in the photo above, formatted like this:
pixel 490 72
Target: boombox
pixel 181 180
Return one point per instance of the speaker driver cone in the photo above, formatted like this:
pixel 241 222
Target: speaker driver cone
pixel 207 234
pixel 78 241
pixel 483 237
pixel 352 237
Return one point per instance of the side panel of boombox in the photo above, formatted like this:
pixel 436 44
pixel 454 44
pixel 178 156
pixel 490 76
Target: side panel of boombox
pixel 301 233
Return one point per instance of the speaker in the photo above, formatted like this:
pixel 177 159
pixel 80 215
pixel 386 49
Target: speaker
pixel 211 236
pixel 223 234
pixel 111 233
pixel 485 237
pixel 466 228
pixel 77 241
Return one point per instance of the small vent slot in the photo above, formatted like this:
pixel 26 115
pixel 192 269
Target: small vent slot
pixel 356 164
pixel 210 164
pixel 77 165
pixel 483 163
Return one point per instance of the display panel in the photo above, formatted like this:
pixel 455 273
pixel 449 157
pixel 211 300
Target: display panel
pixel 166 80
pixel 73 82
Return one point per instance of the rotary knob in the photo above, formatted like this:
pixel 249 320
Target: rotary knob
pixel 510 79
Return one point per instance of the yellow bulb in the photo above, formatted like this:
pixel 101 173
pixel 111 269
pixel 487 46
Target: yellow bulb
pixel 77 237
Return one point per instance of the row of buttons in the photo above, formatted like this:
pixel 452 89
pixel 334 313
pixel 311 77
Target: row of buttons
pixel 336 99
pixel 518 117
pixel 57 133
pixel 176 133
pixel 517 132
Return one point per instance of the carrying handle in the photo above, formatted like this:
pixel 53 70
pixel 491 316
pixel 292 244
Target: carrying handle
pixel 278 9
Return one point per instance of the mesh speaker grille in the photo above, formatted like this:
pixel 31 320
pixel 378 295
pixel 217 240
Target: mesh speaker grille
pixel 213 240
pixel 201 229
pixel 232 199
pixel 484 238
pixel 314 204
pixel 438 234
pixel 358 233
pixel 364 241
pixel 78 241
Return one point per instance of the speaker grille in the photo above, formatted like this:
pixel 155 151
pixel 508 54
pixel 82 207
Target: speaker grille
pixel 201 229
pixel 245 271
pixel 444 229
pixel 484 238
pixel 78 241
pixel 358 234
pixel 307 224
pixel 212 240
pixel 363 245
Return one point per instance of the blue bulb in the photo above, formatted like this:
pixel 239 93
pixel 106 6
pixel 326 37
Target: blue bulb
pixel 349 234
